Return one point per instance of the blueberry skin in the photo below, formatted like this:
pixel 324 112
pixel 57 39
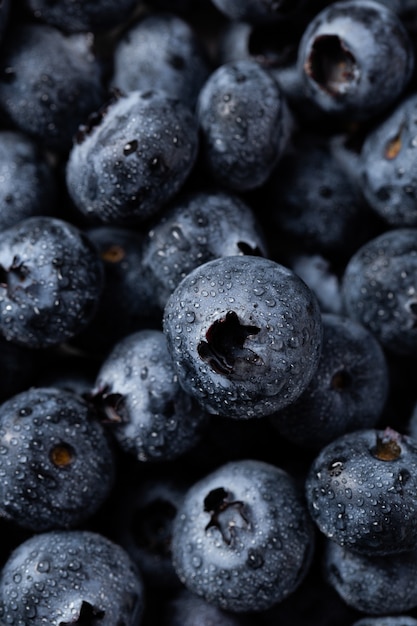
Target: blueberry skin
pixel 319 274
pixel 374 585
pixel 196 228
pixel 73 16
pixel 143 526
pixel 28 184
pixel 49 83
pixel 245 335
pixel 136 158
pixel 56 460
pixel 355 58
pixel 149 414
pixel 242 539
pixel 51 280
pixel 244 123
pixel 128 302
pixel 362 492
pixel 395 620
pixel 187 609
pixel 348 391
pixel 70 577
pixel 161 51
pixel 387 164
pixel 378 289
pixel 258 11
pixel 315 204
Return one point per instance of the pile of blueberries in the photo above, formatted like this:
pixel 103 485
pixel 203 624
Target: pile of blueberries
pixel 208 312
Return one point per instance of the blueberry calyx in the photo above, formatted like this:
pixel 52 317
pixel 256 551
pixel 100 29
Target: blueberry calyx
pixel 332 65
pixel 224 348
pixel 16 273
pixel 226 514
pixel 247 249
pixel 412 308
pixel 96 117
pixel 88 616
pixel 387 447
pixel 393 146
pixel 113 254
pixel 62 455
pixel 110 406
pixel 341 380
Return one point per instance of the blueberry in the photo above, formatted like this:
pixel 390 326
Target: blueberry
pixel 74 16
pixel 55 460
pixel 348 391
pixel 322 278
pixel 245 124
pixel 187 609
pixel 137 389
pixel 395 620
pixel 242 539
pixel 378 289
pixel 197 228
pixel 135 157
pixel 128 302
pixel 362 493
pixel 374 585
pixel 387 164
pixel 245 335
pixel 314 202
pixel 49 83
pixel 258 11
pixel 28 184
pixel 50 282
pixel 161 51
pixel 143 523
pixel 356 58
pixel 70 577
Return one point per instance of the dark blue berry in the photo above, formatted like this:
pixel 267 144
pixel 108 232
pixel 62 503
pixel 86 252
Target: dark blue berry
pixel 242 539
pixel 134 159
pixel 245 124
pixel 356 58
pixel 49 83
pixel 143 524
pixel 63 578
pixel 388 162
pixel 128 301
pixel 374 585
pixel 187 609
pixel 348 390
pixel 379 290
pixel 161 51
pixel 50 282
pixel 28 185
pixel 74 16
pixel 314 203
pixel 322 278
pixel 137 389
pixel 362 492
pixel 56 462
pixel 245 335
pixel 394 620
pixel 197 228
pixel 257 11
